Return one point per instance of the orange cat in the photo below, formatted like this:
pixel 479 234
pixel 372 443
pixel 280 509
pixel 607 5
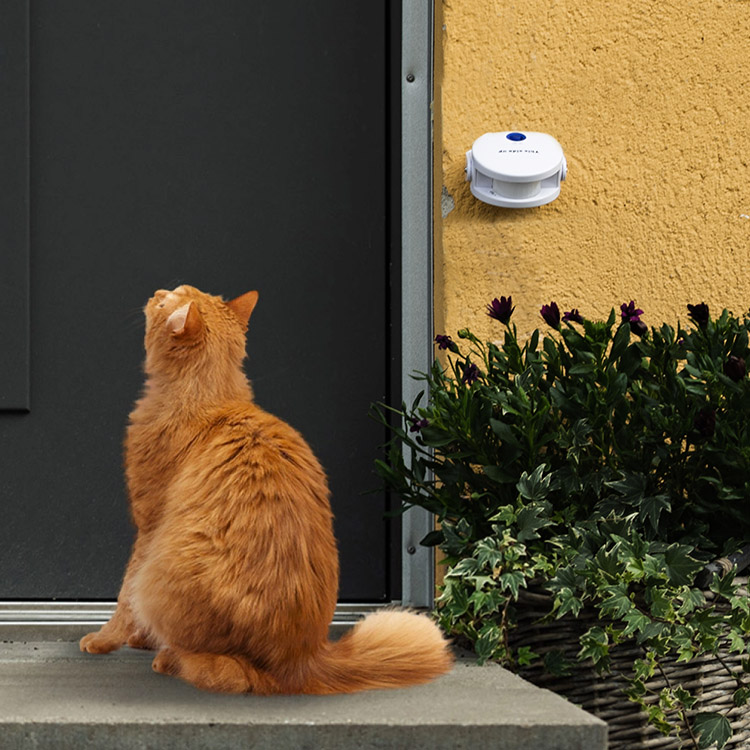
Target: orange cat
pixel 234 571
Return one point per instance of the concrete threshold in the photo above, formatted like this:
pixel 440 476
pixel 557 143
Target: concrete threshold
pixel 52 696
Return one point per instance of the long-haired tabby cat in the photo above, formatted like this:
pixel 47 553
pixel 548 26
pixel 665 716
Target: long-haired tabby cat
pixel 234 571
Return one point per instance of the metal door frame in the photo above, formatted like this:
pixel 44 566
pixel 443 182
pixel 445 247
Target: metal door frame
pixel 418 567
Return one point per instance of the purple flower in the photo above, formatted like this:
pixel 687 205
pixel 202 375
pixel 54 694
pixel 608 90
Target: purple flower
pixel 629 312
pixel 573 316
pixel 705 421
pixel 446 342
pixel 638 327
pixel 471 373
pixel 418 424
pixel 699 314
pixel 501 309
pixel 551 314
pixel 734 368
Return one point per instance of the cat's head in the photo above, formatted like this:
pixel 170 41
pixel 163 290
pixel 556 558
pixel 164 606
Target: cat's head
pixel 186 326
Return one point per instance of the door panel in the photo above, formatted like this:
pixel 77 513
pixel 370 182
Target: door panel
pixel 234 146
pixel 14 206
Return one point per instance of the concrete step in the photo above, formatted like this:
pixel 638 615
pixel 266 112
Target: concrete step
pixel 53 696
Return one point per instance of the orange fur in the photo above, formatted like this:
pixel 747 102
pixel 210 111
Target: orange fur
pixel 234 571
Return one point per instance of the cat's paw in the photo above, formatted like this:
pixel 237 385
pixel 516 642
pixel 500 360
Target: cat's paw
pixel 99 643
pixel 166 662
pixel 141 639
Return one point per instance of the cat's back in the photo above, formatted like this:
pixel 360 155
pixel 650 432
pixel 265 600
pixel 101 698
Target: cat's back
pixel 245 447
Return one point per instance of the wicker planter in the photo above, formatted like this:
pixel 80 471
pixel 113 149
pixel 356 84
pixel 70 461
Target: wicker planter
pixel 602 695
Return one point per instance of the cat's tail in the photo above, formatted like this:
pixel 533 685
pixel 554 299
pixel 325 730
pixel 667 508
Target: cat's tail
pixel 387 649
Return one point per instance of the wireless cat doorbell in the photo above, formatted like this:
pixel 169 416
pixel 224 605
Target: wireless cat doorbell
pixel 515 169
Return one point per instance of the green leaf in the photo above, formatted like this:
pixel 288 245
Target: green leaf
pixel 651 508
pixel 680 567
pixel 556 663
pixel 736 642
pixel 466 567
pixel 566 602
pixel 487 554
pixel 525 656
pixel 723 585
pixel 618 603
pixel 636 622
pixel 595 646
pixel 691 599
pixel 487 643
pixel 513 581
pixel 741 696
pixel 529 521
pixel 496 474
pixel 503 431
pixel 432 539
pixel 584 368
pixel 687 699
pixel 658 718
pixel 712 728
pixel 505 515
pixel 632 487
pixel 645 668
pixel 661 604
pixel 535 486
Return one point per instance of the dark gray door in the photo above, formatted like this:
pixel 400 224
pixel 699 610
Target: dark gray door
pixel 233 146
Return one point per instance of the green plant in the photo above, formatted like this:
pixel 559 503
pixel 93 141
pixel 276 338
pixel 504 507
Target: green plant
pixel 604 463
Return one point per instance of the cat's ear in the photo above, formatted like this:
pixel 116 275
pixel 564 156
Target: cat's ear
pixel 185 321
pixel 243 306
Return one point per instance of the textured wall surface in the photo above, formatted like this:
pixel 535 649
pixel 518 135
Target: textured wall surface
pixel 651 103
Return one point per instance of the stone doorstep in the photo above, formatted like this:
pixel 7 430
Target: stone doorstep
pixel 54 697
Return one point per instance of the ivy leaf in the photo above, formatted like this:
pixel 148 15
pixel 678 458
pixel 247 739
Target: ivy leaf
pixel 456 598
pixel 632 487
pixel 685 697
pixel 636 622
pixel 488 555
pixel 595 646
pixel 525 656
pixel 534 486
pixel 741 696
pixel 691 599
pixel 618 603
pixel 736 642
pixel 529 521
pixel 651 508
pixel 466 567
pixel 723 585
pixel 513 581
pixel 645 668
pixel 487 643
pixel 680 567
pixel 658 718
pixel 567 602
pixel 712 727
pixel 505 515
pixel 556 663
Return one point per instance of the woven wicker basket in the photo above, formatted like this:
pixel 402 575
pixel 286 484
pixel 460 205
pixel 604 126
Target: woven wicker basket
pixel 602 695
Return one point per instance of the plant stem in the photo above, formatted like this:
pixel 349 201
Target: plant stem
pixel 682 710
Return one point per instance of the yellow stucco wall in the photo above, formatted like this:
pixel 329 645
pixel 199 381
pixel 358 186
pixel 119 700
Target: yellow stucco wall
pixel 651 103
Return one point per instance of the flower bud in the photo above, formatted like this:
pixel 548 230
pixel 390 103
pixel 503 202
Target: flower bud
pixel 551 314
pixel 638 327
pixel 734 368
